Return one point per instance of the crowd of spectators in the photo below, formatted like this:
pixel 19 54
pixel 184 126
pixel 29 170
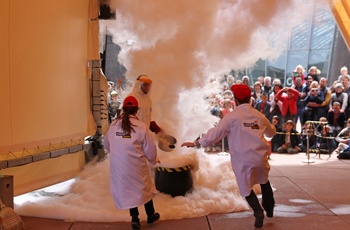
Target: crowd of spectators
pixel 321 109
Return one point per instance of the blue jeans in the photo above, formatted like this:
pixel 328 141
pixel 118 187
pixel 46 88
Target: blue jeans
pixel 299 115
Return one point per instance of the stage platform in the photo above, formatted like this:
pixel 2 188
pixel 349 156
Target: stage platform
pixel 308 196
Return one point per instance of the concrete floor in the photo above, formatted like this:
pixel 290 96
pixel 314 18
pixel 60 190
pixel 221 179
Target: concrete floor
pixel 308 196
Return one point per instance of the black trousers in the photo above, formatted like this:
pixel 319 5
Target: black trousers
pixel 148 207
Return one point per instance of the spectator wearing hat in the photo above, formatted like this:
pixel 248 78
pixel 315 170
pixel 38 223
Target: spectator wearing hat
pixel 290 139
pixel 339 96
pixel 276 140
pixel 110 85
pixel 113 106
pixel 130 145
pixel 336 118
pixel 245 129
pixel 288 97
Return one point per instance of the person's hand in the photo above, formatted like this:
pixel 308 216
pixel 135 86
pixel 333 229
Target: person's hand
pixel 188 144
pixel 154 127
pixel 312 104
pixel 284 146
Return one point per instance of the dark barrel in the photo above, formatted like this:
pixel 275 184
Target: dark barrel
pixel 174 181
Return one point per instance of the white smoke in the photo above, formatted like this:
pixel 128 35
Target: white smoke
pixel 181 44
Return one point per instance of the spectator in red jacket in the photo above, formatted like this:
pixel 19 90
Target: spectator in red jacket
pixel 289 97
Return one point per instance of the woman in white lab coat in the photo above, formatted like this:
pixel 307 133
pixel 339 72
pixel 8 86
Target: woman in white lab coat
pixel 131 145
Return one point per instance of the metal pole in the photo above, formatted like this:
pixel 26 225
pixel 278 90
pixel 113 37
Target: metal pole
pixel 308 134
pixel 223 153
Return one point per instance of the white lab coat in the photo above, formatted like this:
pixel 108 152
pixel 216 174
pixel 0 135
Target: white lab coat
pixel 130 179
pixel 245 128
pixel 145 103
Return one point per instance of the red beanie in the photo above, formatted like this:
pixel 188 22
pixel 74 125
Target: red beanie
pixel 130 101
pixel 241 91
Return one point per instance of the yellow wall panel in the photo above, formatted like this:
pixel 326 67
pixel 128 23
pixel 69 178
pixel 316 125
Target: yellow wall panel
pixel 5 110
pixel 38 69
pixel 341 12
pixel 77 47
pixel 44 89
pixel 44 93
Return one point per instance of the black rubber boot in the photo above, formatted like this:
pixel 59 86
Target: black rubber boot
pixel 135 222
pixel 151 214
pixel 268 202
pixel 153 217
pixel 253 202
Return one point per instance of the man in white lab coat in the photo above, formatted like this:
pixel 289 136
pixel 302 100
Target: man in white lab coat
pixel 246 129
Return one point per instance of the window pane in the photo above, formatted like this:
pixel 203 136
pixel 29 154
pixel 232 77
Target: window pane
pixel 276 68
pixel 323 29
pixel 300 36
pixel 295 58
pixel 257 70
pixel 320 58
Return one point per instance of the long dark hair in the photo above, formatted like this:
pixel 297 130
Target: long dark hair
pixel 126 124
pixel 277 85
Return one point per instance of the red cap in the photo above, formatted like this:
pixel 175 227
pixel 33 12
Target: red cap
pixel 241 91
pixel 130 101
